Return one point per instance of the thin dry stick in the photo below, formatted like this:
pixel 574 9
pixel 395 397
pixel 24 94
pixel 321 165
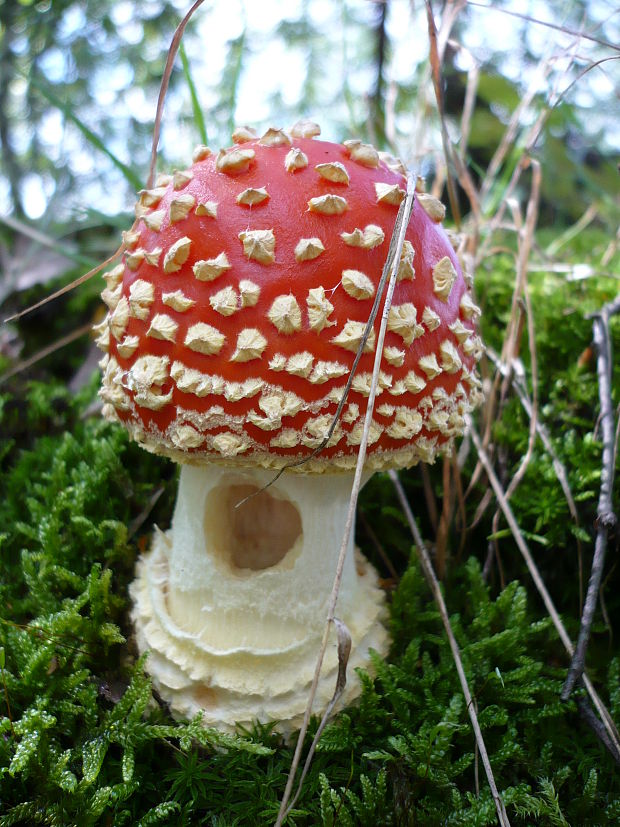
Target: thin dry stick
pixel 68 287
pixel 606 718
pixel 441 543
pixel 378 546
pixel 431 578
pixel 526 235
pixel 529 142
pixel 387 269
pixel 606 518
pixel 573 232
pixel 515 371
pixel 361 457
pixel 46 351
pixel 435 62
pixel 513 332
pixel 163 89
pixel 429 496
pixel 344 650
pixel 555 26
pixel 471 89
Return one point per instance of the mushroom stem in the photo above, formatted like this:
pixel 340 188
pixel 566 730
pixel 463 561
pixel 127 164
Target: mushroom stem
pixel 231 602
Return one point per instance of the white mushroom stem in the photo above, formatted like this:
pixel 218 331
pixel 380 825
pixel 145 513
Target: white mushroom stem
pixel 231 602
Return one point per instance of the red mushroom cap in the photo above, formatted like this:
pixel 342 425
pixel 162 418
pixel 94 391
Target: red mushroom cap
pixel 249 278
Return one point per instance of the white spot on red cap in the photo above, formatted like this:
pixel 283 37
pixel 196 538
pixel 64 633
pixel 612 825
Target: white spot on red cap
pixel 285 314
pixel 328 204
pixel 233 161
pixel 308 248
pixel 203 338
pixel 351 335
pixel 178 301
pixel 259 245
pixel 141 296
pixel 181 206
pixel 429 365
pixel 252 196
pixel 211 268
pixel 371 236
pixel 389 194
pixel 207 208
pixel 444 276
pixel 177 255
pixel 364 154
pixel 357 284
pixel 319 309
pixel 163 327
pixel 250 345
pixel 333 171
pixel 295 159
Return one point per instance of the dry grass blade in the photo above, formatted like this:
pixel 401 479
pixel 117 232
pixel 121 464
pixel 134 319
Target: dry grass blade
pixel 471 89
pixel 525 236
pixel 431 578
pixel 378 546
pixel 136 524
pixel 398 233
pixel 25 229
pixel 68 287
pixel 608 723
pixel 344 650
pixel 606 518
pixel 435 62
pixel 546 23
pixel 515 371
pixel 387 269
pixel 559 241
pixel 46 351
pixel 163 89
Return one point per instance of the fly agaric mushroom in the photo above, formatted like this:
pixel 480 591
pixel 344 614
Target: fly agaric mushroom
pixel 233 325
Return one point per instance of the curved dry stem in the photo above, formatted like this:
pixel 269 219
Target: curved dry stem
pixel 606 518
pixel 433 582
pixel 46 351
pixel 163 89
pixel 398 233
pixel 600 707
pixel 68 287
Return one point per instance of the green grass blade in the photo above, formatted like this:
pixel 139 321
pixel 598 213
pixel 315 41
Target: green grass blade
pixel 198 115
pixel 90 136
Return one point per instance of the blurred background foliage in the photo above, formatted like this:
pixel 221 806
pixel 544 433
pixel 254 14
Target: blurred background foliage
pixel 79 81
pixel 69 66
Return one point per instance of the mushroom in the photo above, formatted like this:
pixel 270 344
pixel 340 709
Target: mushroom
pixel 233 324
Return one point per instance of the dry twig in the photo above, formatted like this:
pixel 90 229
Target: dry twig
pixel 606 518
pixel 607 721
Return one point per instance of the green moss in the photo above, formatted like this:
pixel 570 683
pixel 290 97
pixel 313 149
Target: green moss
pixel 83 740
